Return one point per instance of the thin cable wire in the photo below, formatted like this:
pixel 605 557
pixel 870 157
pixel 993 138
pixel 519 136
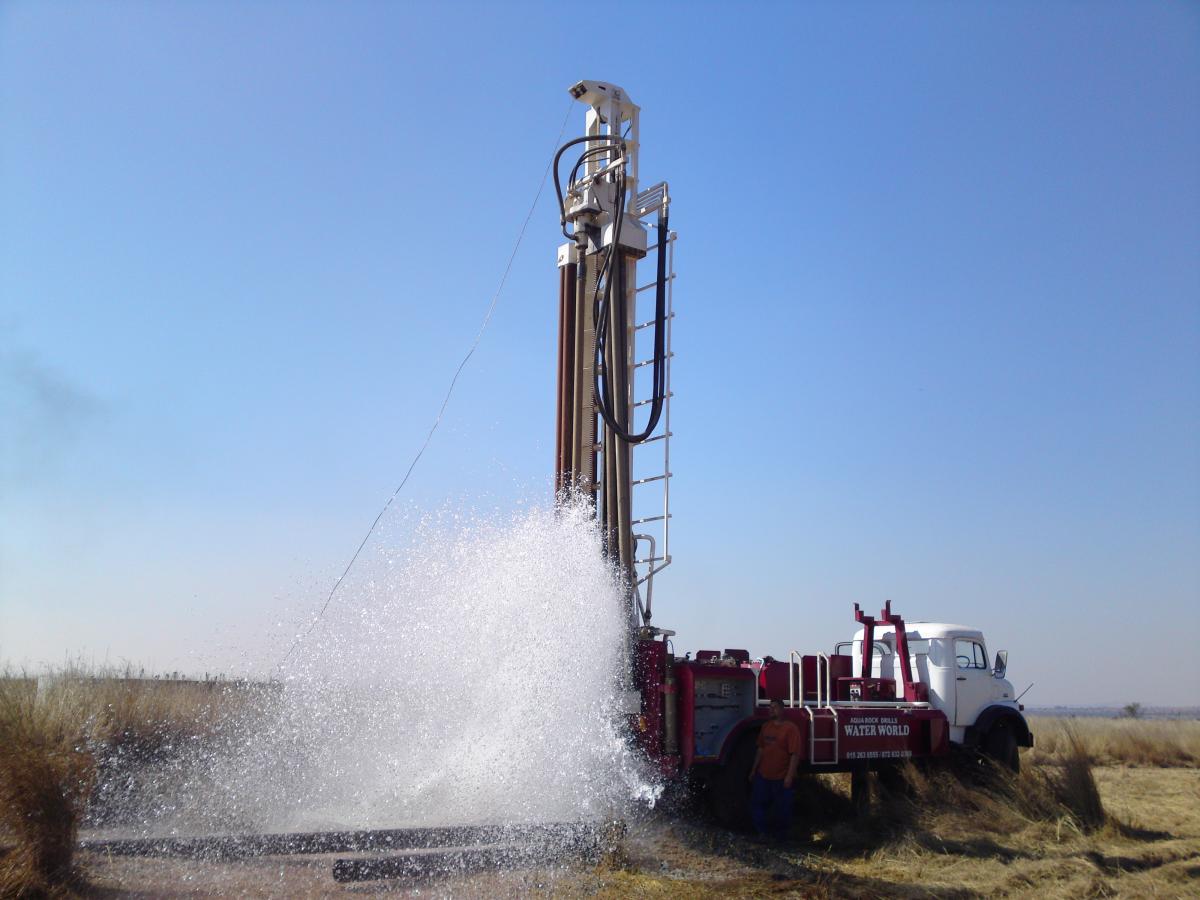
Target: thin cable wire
pixel 445 401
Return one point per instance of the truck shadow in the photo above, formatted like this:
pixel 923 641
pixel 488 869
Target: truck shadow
pixel 826 821
pixel 1135 833
pixel 800 867
pixel 964 808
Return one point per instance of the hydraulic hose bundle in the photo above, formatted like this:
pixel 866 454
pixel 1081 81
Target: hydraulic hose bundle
pixel 609 293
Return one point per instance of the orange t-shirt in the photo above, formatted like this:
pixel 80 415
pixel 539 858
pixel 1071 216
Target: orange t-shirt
pixel 777 741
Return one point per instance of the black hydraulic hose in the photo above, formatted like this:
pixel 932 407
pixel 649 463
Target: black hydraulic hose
pixel 606 138
pixel 615 292
pixel 610 291
pixel 594 153
pixel 600 298
pixel 602 301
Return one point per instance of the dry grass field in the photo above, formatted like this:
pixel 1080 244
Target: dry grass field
pixel 1122 742
pixel 1101 808
pixel 58 734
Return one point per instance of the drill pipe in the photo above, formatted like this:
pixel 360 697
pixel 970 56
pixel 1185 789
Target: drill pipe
pixel 241 846
pixel 563 479
pixel 564 844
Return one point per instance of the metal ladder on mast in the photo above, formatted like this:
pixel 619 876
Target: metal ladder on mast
pixel 651 506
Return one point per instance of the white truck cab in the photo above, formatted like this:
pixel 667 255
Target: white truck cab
pixel 953 661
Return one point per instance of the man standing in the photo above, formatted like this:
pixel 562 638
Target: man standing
pixel 773 775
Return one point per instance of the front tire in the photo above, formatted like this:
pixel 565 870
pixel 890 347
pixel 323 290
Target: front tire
pixel 1000 745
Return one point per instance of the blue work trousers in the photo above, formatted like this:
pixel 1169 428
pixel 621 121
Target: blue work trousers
pixel 771 807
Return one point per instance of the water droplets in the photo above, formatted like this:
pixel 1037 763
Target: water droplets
pixel 467 674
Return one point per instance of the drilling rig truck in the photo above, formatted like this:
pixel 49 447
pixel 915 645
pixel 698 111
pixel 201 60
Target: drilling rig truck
pixel 893 692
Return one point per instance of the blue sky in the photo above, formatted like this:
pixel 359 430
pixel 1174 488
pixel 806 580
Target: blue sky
pixel 939 312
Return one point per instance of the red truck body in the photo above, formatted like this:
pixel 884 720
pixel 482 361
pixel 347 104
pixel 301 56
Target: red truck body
pixel 696 713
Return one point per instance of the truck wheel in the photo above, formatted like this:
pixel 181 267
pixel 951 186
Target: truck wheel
pixel 1001 745
pixel 730 789
pixel 893 782
pixel 860 791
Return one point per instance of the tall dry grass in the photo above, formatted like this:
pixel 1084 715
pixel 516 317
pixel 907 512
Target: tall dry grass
pixel 1133 742
pixel 46 775
pixel 1068 783
pixel 969 798
pixel 960 806
pixel 61 735
pixel 970 829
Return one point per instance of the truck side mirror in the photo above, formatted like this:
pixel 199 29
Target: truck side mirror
pixel 1001 663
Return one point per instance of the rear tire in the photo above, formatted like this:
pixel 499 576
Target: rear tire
pixel 893 782
pixel 1000 744
pixel 729 791
pixel 860 791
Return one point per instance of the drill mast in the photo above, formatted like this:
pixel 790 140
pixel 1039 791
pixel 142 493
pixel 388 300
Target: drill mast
pixel 614 356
